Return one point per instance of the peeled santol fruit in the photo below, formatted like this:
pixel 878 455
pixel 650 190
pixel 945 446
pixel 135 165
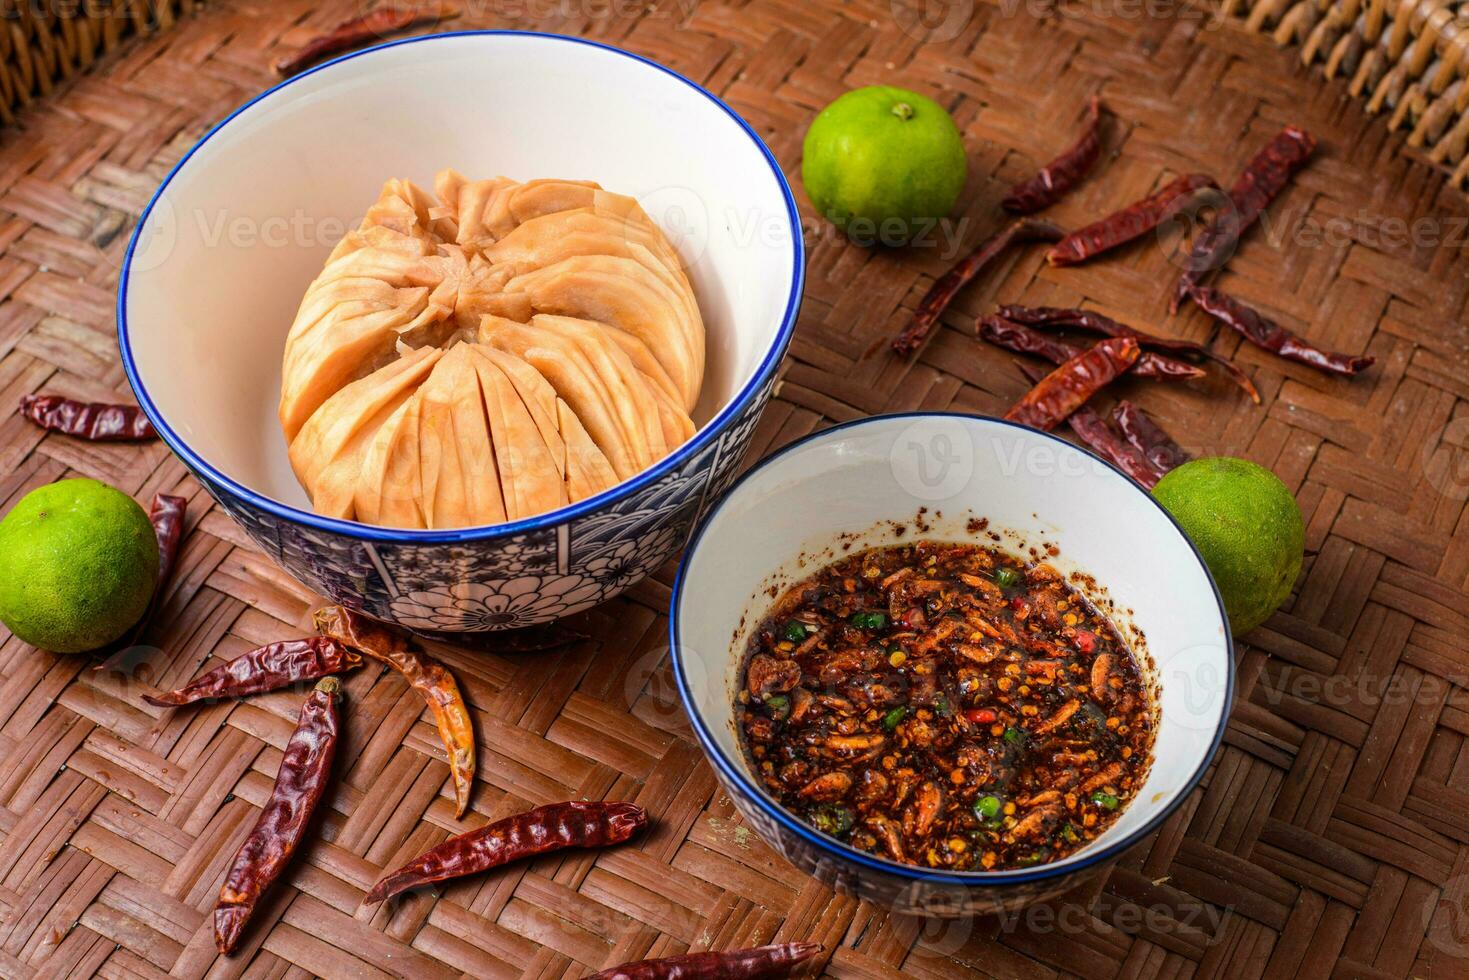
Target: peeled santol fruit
pixel 490 354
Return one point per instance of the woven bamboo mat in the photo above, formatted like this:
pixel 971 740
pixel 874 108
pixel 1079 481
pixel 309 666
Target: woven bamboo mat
pixel 1331 838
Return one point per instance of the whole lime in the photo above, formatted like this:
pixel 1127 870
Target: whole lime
pixel 883 164
pixel 80 563
pixel 1246 526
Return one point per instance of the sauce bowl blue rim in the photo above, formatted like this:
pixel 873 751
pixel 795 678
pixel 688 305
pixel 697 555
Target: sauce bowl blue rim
pixel 366 532
pixel 736 774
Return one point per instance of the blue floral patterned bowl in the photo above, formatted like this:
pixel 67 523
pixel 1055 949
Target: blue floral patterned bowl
pixel 896 478
pixel 245 221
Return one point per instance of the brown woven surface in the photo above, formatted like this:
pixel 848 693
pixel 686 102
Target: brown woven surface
pixel 45 42
pixel 1330 839
pixel 1403 58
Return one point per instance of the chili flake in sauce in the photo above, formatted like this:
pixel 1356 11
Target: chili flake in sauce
pixel 948 706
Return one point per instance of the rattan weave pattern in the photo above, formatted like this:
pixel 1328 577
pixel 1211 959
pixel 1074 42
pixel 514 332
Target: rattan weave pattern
pixel 45 42
pixel 1403 58
pixel 1330 839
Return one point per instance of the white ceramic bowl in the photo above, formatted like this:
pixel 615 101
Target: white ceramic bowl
pixel 245 221
pixel 854 486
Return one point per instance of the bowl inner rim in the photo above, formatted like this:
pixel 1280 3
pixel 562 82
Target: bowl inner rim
pixel 734 771
pixel 370 532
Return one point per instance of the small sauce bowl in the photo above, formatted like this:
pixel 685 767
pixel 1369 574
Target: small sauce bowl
pixel 902 478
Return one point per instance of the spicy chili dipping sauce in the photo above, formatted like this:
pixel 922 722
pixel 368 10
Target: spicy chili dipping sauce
pixel 947 706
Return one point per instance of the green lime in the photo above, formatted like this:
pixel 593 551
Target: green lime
pixel 1246 525
pixel 884 164
pixel 80 561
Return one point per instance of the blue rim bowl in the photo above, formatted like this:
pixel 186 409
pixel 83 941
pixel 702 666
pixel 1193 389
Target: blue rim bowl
pixel 865 497
pixel 631 528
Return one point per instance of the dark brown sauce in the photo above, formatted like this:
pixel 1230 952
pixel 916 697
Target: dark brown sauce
pixel 946 705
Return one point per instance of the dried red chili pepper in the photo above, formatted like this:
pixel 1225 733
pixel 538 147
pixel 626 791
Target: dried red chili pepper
pixel 1263 178
pixel 760 963
pixel 942 292
pixel 1089 320
pixel 1121 227
pixel 1025 340
pixel 530 834
pixel 1148 437
pixel 1056 178
pixel 93 421
pixel 1098 434
pixel 167 516
pixel 267 668
pixel 368 28
pixel 1068 387
pixel 299 786
pixel 425 675
pixel 1264 332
